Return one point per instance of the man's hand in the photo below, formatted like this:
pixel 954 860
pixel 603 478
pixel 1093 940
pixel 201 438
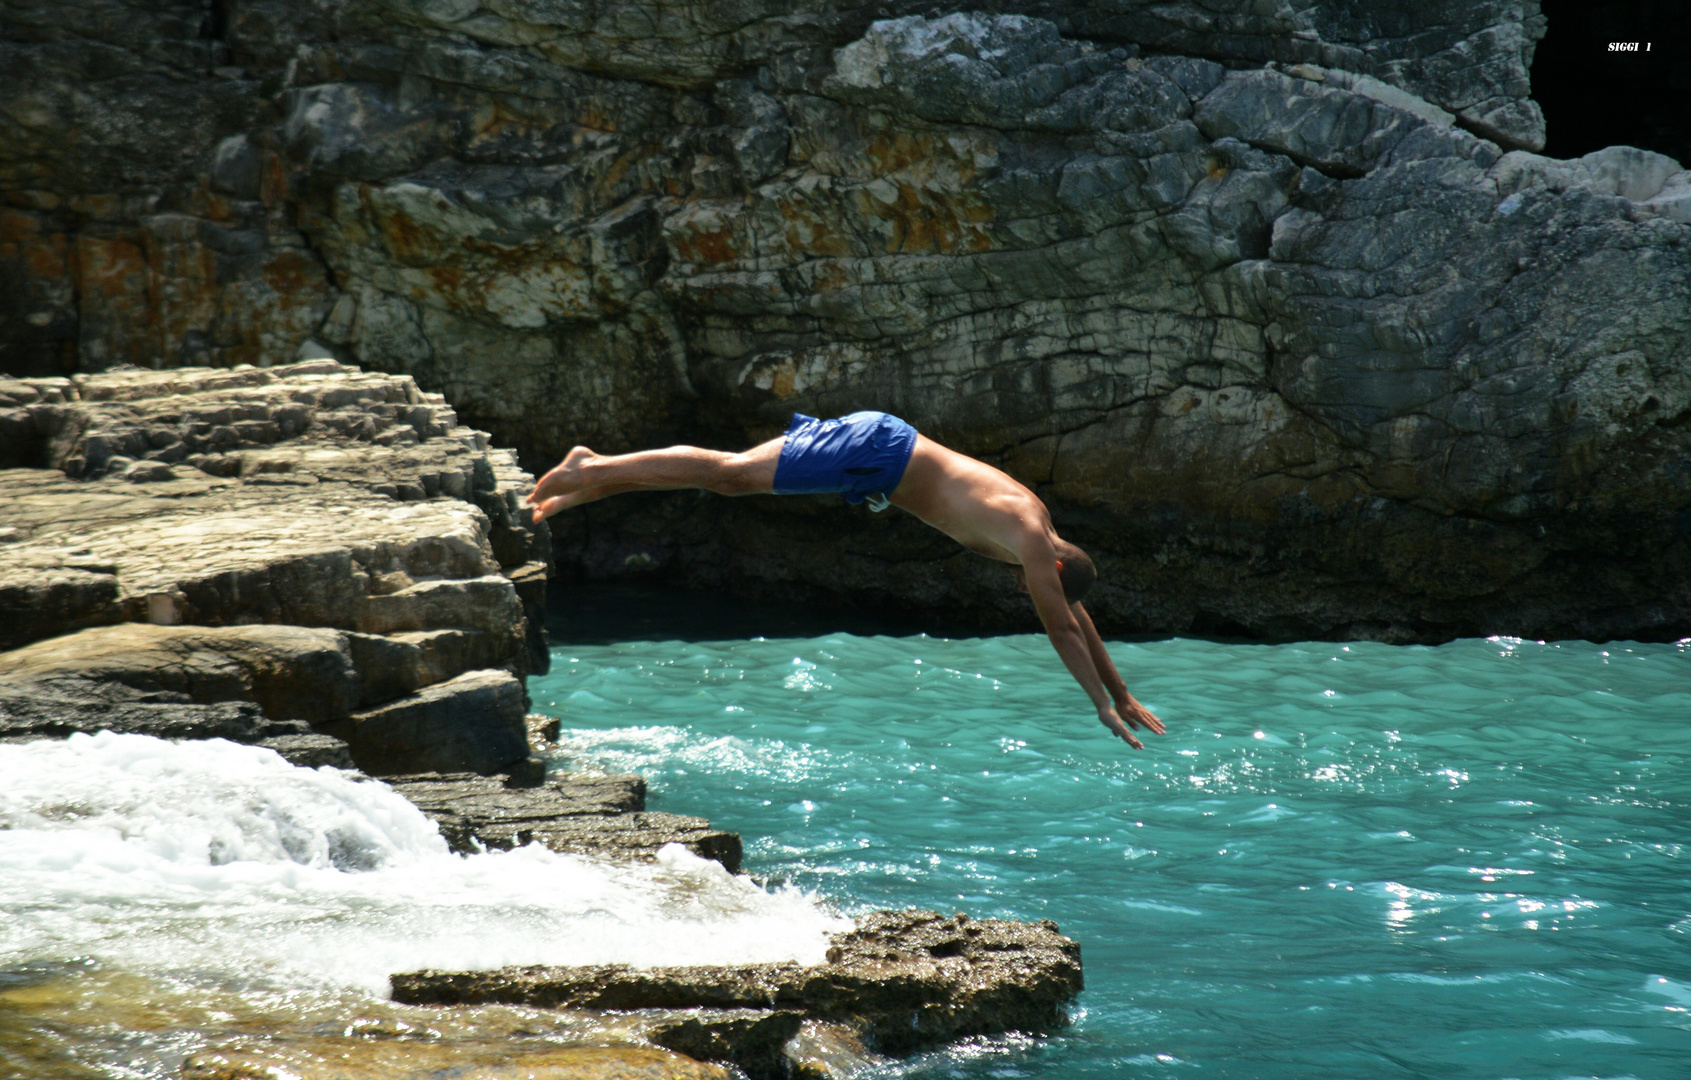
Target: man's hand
pixel 1112 720
pixel 1136 714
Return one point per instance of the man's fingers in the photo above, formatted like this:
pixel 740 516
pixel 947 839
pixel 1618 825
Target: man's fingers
pixel 1119 728
pixel 1139 716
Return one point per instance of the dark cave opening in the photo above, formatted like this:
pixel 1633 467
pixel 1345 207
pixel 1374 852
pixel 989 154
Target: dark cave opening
pixel 1594 97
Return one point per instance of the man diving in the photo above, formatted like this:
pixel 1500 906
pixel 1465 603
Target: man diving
pixel 874 456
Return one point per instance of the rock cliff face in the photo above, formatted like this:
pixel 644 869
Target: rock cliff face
pixel 1276 308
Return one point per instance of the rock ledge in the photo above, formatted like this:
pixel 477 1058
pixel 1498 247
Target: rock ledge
pixel 897 983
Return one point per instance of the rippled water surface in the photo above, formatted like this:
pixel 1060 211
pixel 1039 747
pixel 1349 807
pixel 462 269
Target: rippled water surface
pixel 1341 861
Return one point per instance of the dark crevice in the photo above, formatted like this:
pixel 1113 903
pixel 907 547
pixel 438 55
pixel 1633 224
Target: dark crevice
pixel 216 24
pixel 1331 170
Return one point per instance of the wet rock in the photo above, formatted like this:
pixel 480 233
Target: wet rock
pixel 54 710
pixel 907 980
pixel 753 1039
pixel 638 837
pixel 580 815
pixel 311 751
pixel 419 1059
pixel 829 1051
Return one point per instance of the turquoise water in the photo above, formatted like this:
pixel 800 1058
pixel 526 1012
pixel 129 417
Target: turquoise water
pixel 1341 861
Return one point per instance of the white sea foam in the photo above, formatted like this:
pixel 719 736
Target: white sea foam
pixel 214 859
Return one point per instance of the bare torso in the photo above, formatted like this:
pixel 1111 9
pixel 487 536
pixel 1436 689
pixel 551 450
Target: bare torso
pixel 973 503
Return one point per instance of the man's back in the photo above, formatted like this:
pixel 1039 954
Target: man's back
pixel 975 504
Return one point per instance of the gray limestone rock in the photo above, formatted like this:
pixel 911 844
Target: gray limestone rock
pixel 906 980
pixel 1299 338
pixel 577 814
pixel 473 722
pixel 289 672
pixel 310 494
pixel 313 552
pixel 311 751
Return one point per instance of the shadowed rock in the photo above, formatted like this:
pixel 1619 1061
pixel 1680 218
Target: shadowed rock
pixel 311 751
pixel 1273 304
pixel 753 1039
pixel 473 721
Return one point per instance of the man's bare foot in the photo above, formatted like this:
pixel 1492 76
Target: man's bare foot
pixel 563 477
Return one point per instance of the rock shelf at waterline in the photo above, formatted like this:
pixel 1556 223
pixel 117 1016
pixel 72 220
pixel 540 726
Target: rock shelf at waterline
pixel 897 982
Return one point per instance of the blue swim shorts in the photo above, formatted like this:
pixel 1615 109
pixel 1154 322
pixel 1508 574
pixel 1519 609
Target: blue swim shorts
pixel 861 455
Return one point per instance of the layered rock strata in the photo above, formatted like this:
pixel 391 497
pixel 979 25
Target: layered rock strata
pixel 266 554
pixel 898 982
pixel 305 557
pixel 1275 307
pixel 575 814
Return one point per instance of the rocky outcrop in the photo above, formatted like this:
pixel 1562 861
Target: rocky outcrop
pixel 1276 308
pixel 575 814
pixel 287 554
pixel 900 981
pixel 419 1056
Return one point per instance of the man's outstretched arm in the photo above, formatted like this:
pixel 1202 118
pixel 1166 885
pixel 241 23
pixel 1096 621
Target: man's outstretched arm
pixel 1067 637
pixel 1130 710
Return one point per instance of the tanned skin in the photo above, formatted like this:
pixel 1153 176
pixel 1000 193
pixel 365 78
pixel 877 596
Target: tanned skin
pixel 975 504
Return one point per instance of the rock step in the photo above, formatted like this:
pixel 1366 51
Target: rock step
pixel 578 815
pixel 403 703
pixel 902 980
pixel 311 751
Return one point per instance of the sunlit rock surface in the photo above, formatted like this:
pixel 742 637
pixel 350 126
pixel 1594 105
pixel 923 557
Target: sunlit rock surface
pixel 1276 308
pixel 258 553
pixel 573 814
pixel 900 981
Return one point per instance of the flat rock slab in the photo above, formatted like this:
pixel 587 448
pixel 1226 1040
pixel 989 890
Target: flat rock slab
pixel 906 980
pixel 578 815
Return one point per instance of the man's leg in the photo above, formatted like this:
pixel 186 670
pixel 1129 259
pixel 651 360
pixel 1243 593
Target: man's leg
pixel 584 476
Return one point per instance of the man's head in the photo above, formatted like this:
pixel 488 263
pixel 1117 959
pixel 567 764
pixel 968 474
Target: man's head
pixel 1074 570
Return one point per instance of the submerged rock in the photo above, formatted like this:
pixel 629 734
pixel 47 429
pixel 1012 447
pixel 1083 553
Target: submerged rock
pixel 901 981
